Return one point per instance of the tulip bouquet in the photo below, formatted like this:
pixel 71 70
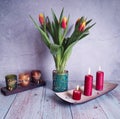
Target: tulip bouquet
pixel 54 36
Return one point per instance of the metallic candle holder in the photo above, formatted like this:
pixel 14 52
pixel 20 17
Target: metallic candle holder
pixel 24 79
pixel 36 76
pixel 11 82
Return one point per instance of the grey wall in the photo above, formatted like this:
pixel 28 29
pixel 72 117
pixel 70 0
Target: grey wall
pixel 21 49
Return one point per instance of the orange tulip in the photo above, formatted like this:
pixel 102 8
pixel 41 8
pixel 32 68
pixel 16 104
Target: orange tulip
pixel 41 19
pixel 64 23
pixel 82 26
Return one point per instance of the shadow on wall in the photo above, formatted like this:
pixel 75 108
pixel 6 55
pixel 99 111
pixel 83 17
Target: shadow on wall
pixel 42 55
pixel 40 50
pixel 116 72
pixel 43 63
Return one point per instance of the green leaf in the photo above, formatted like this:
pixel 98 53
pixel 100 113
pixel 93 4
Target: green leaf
pixel 55 25
pixel 54 48
pixel 61 15
pixel 55 18
pixel 88 21
pixel 67 54
pixel 82 36
pixel 65 57
pixel 55 39
pixel 44 35
pixel 59 35
pixel 48 25
pixel 89 27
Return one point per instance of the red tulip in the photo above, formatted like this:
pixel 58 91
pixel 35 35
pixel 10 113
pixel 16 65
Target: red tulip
pixel 64 23
pixel 41 19
pixel 82 26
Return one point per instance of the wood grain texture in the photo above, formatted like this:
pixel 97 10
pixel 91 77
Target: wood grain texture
pixel 28 104
pixel 110 105
pixel 5 104
pixel 89 110
pixel 54 108
pixel 42 103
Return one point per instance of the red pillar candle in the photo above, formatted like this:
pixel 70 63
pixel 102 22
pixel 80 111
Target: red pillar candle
pixel 88 83
pixel 99 79
pixel 76 94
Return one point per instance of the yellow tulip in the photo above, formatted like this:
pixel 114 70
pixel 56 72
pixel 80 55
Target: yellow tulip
pixel 82 26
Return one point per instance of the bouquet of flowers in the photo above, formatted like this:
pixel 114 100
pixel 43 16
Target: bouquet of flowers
pixel 54 36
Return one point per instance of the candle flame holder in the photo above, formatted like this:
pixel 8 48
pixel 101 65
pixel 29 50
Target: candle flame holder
pixel 24 83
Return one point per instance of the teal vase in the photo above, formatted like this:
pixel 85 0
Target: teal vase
pixel 60 81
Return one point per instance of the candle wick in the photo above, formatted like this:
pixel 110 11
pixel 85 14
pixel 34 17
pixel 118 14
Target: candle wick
pixel 99 68
pixel 78 87
pixel 89 71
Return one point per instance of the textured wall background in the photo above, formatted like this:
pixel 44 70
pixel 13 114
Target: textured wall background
pixel 22 50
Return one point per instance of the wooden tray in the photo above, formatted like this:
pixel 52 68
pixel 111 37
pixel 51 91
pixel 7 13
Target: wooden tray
pixel 21 89
pixel 67 95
